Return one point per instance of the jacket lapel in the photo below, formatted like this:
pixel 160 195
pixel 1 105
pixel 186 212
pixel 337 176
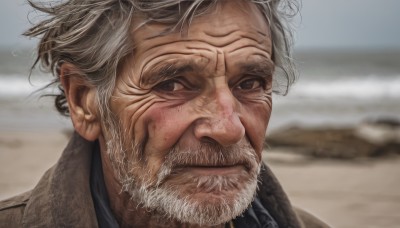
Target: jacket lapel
pixel 275 200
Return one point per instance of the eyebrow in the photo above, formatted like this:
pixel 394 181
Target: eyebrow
pixel 165 71
pixel 264 68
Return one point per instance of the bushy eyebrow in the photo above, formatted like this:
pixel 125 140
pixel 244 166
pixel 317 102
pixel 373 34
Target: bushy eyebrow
pixel 165 71
pixel 263 68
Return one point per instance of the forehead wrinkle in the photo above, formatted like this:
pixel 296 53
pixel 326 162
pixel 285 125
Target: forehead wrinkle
pixel 222 32
pixel 215 39
pixel 257 50
pixel 220 64
pixel 263 33
pixel 257 40
pixel 257 36
pixel 234 36
pixel 187 44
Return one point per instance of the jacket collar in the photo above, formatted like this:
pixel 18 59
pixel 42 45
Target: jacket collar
pixel 275 200
pixel 63 198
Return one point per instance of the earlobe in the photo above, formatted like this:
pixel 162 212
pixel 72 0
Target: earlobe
pixel 82 104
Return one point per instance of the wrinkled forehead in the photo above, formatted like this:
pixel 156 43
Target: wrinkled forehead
pixel 226 17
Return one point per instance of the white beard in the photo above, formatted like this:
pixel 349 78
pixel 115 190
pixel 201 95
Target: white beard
pixel 170 202
pixel 168 198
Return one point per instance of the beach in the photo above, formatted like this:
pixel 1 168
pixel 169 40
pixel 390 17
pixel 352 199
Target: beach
pixel 334 91
pixel 347 194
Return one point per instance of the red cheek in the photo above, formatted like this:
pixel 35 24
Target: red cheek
pixel 165 126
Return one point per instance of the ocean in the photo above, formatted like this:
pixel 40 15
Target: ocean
pixel 334 88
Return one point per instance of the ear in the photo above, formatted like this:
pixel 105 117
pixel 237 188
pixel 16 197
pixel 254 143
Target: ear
pixel 82 104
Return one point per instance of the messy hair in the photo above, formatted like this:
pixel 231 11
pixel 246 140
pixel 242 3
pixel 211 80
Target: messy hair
pixel 95 37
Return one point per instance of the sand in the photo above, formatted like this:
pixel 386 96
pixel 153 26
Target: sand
pixel 347 194
pixel 25 156
pixel 362 193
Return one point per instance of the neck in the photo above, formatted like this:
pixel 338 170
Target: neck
pixel 127 212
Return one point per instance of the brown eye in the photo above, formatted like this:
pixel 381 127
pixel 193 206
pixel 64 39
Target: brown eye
pixel 169 86
pixel 250 84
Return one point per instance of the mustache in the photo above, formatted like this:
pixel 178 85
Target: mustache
pixel 209 155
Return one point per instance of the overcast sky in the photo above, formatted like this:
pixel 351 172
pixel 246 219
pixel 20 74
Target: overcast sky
pixel 360 24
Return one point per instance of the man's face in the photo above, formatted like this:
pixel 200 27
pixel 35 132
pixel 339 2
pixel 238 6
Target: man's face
pixel 192 113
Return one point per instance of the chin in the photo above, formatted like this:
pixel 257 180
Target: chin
pixel 201 199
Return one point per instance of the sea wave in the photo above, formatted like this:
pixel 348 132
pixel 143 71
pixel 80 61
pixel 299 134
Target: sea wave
pixel 20 86
pixel 355 87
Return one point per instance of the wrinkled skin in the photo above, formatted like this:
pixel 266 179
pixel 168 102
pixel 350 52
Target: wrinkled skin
pixel 212 86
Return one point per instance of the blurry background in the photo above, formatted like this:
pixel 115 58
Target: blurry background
pixel 348 55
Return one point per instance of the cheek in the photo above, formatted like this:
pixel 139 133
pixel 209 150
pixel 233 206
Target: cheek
pixel 255 118
pixel 156 123
pixel 166 124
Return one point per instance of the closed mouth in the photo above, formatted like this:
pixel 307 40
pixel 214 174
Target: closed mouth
pixel 213 169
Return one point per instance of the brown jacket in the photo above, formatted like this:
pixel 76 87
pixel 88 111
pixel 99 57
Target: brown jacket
pixel 62 198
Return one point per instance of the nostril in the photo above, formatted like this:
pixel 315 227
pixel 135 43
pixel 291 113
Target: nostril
pixel 208 140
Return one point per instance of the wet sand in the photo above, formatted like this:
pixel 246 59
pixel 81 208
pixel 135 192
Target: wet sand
pixel 347 194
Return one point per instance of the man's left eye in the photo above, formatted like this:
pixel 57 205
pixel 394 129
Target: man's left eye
pixel 250 84
pixel 169 86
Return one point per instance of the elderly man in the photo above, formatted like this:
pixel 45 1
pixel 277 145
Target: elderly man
pixel 170 101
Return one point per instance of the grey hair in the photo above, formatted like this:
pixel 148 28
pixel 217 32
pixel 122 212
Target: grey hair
pixel 95 37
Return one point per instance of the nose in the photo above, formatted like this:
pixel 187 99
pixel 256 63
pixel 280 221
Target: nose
pixel 221 121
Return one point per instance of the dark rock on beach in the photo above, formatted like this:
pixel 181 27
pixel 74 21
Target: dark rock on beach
pixel 369 139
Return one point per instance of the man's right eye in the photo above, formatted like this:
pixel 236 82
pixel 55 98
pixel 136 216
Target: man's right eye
pixel 169 86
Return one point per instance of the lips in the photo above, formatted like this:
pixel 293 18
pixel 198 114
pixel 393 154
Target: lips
pixel 214 170
pixel 215 163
